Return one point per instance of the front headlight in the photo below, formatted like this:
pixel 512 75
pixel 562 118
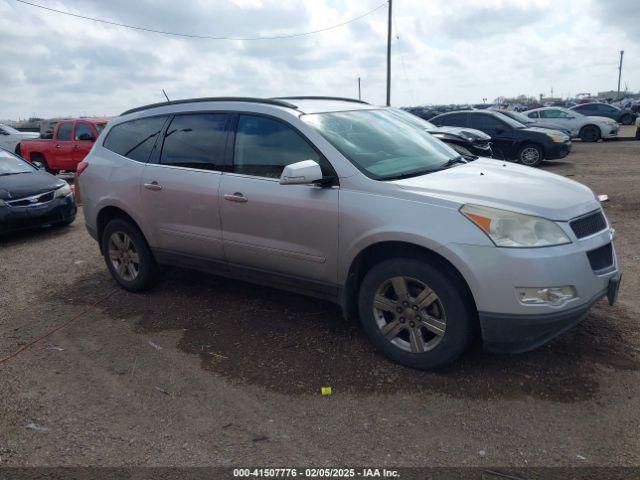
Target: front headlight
pixel 555 138
pixel 2 204
pixel 510 229
pixel 63 191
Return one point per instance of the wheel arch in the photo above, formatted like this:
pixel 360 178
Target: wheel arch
pixel 383 250
pixel 108 213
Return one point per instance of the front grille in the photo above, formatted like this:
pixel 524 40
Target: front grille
pixel 601 258
pixel 589 224
pixel 33 200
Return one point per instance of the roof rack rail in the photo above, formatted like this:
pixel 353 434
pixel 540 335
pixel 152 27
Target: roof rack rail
pixel 268 101
pixel 343 99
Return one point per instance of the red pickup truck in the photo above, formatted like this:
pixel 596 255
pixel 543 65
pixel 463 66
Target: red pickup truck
pixel 71 142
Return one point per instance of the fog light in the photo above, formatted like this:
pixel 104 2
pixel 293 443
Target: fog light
pixel 553 296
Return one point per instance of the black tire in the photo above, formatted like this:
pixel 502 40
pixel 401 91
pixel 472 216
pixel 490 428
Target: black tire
pixel 626 119
pixel 452 299
pixel 589 133
pixel 36 157
pixel 147 272
pixel 530 155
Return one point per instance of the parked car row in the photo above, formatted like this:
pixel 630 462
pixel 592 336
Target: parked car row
pixel 510 139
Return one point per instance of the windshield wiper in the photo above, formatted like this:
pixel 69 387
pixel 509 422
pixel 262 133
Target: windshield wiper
pixel 11 173
pixel 416 173
pixel 452 161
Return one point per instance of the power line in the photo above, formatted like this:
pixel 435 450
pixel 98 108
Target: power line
pixel 207 37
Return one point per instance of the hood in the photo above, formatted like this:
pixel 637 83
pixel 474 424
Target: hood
pixel 468 133
pixel 507 186
pixel 602 119
pixel 552 126
pixel 27 184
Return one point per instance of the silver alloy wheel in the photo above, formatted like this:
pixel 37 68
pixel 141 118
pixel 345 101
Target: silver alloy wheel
pixel 123 256
pixel 529 156
pixel 409 314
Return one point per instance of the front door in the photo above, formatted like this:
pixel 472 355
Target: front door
pixel 291 230
pixel 63 147
pixel 180 187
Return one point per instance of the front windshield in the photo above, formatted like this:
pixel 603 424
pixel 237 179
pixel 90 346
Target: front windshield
pixel 517 116
pixel 512 123
pixel 12 165
pixel 412 119
pixel 381 145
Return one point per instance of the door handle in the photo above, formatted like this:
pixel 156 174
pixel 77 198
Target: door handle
pixel 153 186
pixel 58 145
pixel 236 197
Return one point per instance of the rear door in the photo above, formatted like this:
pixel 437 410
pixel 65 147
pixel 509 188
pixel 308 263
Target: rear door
pixel 181 186
pixel 83 137
pixel 62 151
pixel 291 230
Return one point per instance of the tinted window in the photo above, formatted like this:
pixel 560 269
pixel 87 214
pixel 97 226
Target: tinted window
pixel 64 132
pixel 83 132
pixel 483 121
pixel 451 120
pixel 195 141
pixel 135 139
pixel 265 146
pixel 532 114
pixel 552 114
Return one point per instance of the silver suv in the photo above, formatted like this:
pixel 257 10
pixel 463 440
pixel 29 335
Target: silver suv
pixel 344 201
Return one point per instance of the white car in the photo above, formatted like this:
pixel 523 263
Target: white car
pixel 10 138
pixel 588 129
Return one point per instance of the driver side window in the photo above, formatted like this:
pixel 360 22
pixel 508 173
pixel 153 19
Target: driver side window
pixel 264 146
pixel 84 133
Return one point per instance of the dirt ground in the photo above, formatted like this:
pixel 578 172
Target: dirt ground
pixel 204 371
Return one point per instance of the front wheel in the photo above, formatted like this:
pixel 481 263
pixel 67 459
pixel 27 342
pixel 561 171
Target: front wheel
pixel 590 133
pixel 530 155
pixel 128 256
pixel 416 314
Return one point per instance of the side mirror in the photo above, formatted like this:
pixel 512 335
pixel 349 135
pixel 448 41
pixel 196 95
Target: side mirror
pixel 301 173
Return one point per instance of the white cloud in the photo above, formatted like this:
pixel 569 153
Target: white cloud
pixel 454 51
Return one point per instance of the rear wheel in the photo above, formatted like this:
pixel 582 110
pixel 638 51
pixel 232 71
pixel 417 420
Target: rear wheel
pixel 38 159
pixel 530 155
pixel 416 314
pixel 128 256
pixel 589 133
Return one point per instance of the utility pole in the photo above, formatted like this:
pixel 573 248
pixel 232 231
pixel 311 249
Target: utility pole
pixel 359 91
pixel 620 72
pixel 389 56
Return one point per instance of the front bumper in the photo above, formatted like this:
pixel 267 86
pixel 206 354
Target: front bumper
pixel 557 151
pixel 481 150
pixel 611 131
pixel 58 210
pixel 494 275
pixel 520 333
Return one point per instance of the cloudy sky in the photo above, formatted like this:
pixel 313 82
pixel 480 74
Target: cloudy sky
pixel 448 51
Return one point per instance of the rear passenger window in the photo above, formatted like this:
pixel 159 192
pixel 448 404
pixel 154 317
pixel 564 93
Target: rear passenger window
pixel 485 121
pixel 64 132
pixel 265 146
pixel 135 139
pixel 452 120
pixel 195 141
